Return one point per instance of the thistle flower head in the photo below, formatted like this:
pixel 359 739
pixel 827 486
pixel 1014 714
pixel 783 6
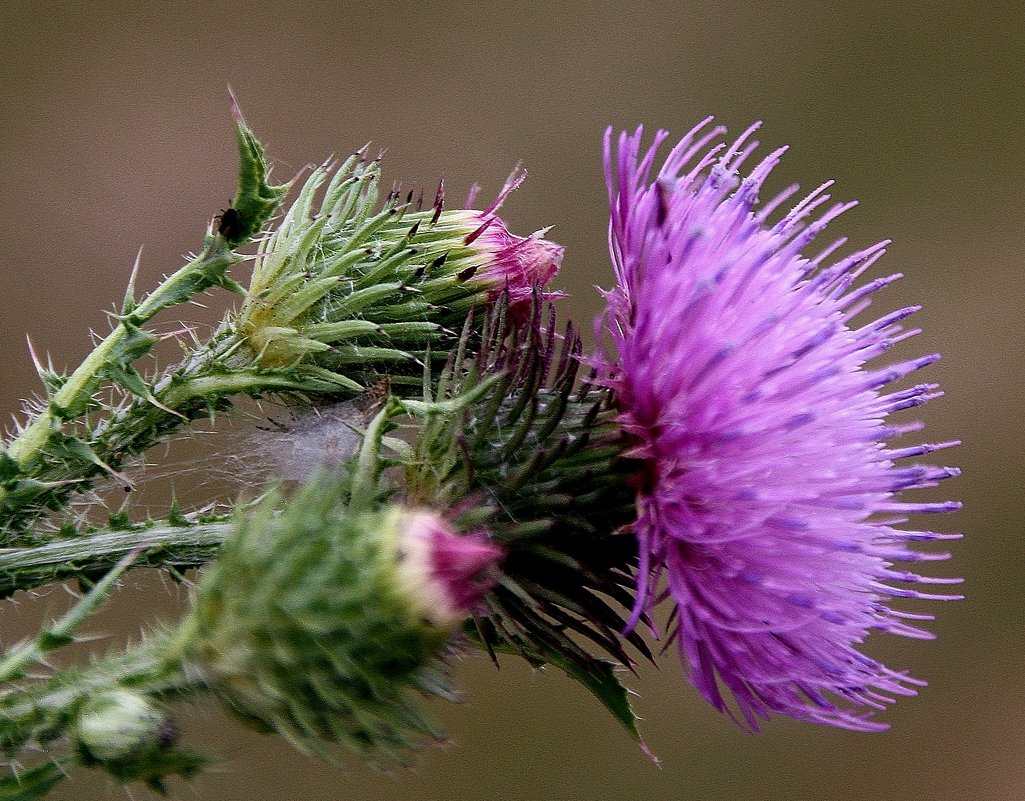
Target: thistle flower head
pixel 767 497
pixel 320 623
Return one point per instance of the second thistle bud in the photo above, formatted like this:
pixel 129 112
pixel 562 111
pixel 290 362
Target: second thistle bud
pixel 442 573
pixel 121 724
pixel 323 624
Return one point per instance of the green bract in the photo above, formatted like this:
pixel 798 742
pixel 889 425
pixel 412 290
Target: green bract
pixel 305 627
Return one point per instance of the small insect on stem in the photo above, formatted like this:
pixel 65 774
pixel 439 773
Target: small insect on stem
pixel 229 224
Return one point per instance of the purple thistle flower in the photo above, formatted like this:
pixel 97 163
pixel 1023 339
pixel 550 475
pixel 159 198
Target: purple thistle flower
pixel 768 499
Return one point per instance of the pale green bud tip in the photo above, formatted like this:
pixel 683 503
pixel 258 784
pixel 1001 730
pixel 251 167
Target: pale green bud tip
pixel 445 573
pixel 120 724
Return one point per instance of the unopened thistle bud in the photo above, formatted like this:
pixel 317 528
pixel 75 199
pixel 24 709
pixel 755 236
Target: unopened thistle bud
pixel 343 291
pixel 121 725
pixel 320 623
pixel 514 266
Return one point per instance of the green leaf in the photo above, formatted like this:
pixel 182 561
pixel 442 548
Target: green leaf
pixel 75 451
pixel 255 200
pixel 135 343
pixel 600 677
pixel 129 378
pixel 33 783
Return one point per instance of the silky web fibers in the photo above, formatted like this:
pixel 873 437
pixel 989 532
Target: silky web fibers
pixel 256 445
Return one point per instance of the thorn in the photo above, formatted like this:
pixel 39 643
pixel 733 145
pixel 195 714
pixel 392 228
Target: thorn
pixel 236 111
pixel 152 400
pixel 177 332
pixel 130 289
pixel 471 237
pixel 126 482
pixel 40 370
pixel 439 201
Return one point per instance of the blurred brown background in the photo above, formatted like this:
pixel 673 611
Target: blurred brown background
pixel 116 133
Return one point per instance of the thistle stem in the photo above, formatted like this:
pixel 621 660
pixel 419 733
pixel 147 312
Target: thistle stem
pixel 45 711
pixel 202 272
pixel 14 662
pixel 161 545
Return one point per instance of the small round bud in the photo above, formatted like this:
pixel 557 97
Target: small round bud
pixel 322 623
pixel 120 724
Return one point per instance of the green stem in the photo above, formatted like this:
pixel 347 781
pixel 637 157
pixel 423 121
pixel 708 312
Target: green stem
pixel 14 662
pixel 45 711
pixel 363 487
pixel 199 274
pixel 42 711
pixel 160 545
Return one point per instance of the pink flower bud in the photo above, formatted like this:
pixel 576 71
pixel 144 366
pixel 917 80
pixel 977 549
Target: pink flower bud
pixel 518 264
pixel 445 573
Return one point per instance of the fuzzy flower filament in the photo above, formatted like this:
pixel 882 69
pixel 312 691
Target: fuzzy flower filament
pixel 768 495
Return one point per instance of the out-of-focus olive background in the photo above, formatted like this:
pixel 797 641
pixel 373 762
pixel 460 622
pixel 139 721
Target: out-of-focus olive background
pixel 116 134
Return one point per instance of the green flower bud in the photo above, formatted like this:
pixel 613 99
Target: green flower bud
pixel 323 624
pixel 120 724
pixel 344 289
